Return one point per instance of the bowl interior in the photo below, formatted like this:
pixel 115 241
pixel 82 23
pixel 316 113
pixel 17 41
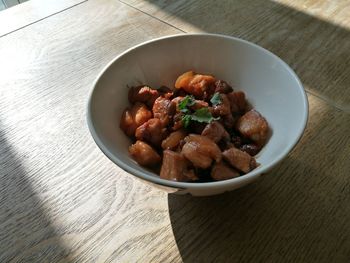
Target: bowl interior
pixel 270 85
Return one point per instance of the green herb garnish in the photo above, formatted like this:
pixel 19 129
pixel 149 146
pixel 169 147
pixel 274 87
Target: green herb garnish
pixel 186 120
pixel 203 115
pixel 200 115
pixel 216 99
pixel 186 102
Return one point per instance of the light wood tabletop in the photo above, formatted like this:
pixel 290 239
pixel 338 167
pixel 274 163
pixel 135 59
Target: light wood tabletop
pixel 62 200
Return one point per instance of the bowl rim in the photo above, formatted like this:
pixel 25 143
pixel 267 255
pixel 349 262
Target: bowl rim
pixel 199 185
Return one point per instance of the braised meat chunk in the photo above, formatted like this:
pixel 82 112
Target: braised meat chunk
pixel 237 101
pixel 215 131
pixel 143 94
pixel 151 131
pixel 228 121
pixel 134 117
pixel 195 84
pixel 223 108
pixel 165 92
pixel 222 87
pixel 253 126
pixel 162 109
pixel 144 154
pixel 240 160
pixel 199 159
pixel 173 140
pixel 250 148
pixel 201 151
pixel 176 168
pixel 177 121
pixel 222 171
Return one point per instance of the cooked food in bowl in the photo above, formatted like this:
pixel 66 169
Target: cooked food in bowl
pixel 201 130
pixel 269 84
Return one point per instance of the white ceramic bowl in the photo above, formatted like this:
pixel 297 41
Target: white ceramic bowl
pixel 270 84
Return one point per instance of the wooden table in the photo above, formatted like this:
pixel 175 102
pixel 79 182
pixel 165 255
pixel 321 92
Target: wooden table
pixel 62 200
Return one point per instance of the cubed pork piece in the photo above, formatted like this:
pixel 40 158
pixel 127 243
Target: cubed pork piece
pixel 190 151
pixel 250 148
pixel 195 84
pixel 152 132
pixel 143 94
pixel 253 126
pixel 133 117
pixel 201 151
pixel 222 171
pixel 237 101
pixel 228 121
pixel 144 154
pixel 222 87
pixel 161 110
pixel 240 160
pixel 165 92
pixel 175 167
pixel 222 108
pixel 177 122
pixel 215 131
pixel 173 140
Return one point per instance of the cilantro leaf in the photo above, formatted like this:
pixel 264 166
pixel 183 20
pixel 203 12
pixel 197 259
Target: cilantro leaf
pixel 203 115
pixel 186 120
pixel 187 101
pixel 200 115
pixel 216 99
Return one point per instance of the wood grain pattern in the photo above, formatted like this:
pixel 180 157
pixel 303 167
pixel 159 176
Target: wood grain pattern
pixel 30 12
pixel 311 36
pixel 62 200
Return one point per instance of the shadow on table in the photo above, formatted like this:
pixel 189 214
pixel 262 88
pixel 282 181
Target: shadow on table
pixel 286 217
pixel 26 234
pixel 294 222
pixel 318 51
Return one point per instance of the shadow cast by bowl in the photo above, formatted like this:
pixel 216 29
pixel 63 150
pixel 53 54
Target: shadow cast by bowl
pixel 26 233
pixel 239 226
